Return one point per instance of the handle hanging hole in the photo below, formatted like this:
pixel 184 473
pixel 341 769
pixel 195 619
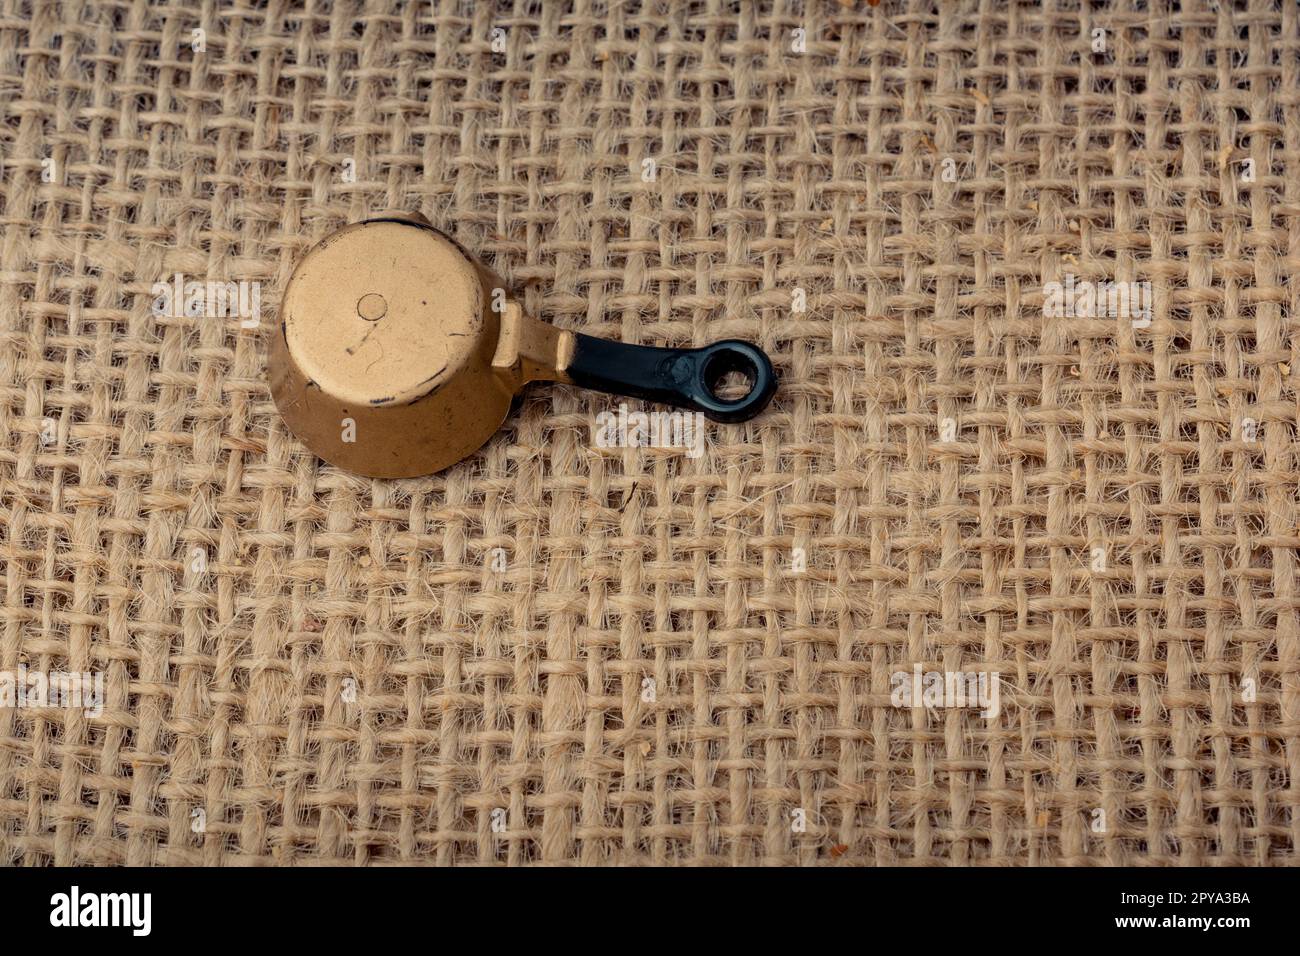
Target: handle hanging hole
pixel 730 376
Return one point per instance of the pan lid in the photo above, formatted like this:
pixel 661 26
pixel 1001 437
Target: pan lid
pixel 382 312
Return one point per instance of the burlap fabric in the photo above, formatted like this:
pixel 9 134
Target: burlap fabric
pixel 669 659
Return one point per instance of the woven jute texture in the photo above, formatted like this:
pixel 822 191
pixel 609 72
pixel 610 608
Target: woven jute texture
pixel 558 652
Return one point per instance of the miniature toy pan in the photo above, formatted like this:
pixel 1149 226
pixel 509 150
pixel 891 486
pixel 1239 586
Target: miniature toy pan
pixel 397 354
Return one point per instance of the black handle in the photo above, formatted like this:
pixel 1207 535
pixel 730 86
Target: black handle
pixel 684 377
